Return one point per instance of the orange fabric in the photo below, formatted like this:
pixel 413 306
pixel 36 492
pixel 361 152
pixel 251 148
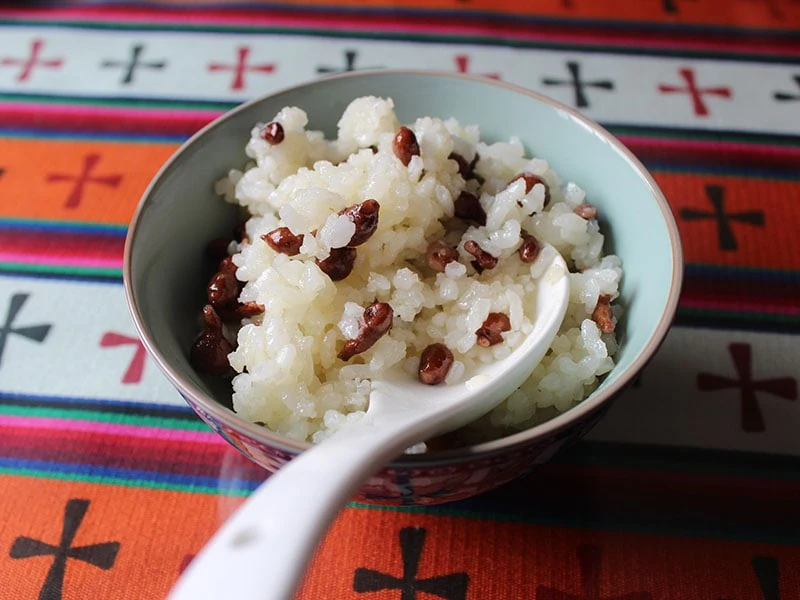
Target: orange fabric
pixel 39 178
pixel 136 164
pixel 775 245
pixel 158 530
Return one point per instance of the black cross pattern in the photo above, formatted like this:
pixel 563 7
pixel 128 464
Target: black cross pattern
pixel 350 57
pixel 100 555
pixel 590 561
pixel 787 96
pixel 412 539
pixel 36 333
pixel 727 239
pixel 767 573
pixel 752 419
pixel 670 6
pixel 133 64
pixel 574 68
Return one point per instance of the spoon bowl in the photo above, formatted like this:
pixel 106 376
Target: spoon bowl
pixel 261 551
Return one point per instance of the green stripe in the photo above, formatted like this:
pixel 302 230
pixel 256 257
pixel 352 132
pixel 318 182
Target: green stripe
pixel 61 270
pixel 121 102
pixel 78 226
pixel 102 417
pixel 733 270
pixel 153 485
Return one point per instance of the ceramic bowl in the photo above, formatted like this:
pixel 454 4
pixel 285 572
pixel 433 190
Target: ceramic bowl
pixel 179 213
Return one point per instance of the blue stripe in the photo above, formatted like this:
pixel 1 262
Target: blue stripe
pixel 83 135
pixel 63 226
pixel 98 402
pixel 81 279
pixel 129 474
pixel 744 273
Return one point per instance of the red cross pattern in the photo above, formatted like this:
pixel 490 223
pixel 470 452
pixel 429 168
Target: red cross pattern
pixel 241 67
pixel 81 180
pixel 33 60
pixel 462 66
pixel 696 93
pixel 135 369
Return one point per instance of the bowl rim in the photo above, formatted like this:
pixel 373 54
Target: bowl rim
pixel 504 444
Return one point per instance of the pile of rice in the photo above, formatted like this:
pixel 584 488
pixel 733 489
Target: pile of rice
pixel 288 375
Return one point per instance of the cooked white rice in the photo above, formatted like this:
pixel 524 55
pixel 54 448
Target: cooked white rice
pixel 288 375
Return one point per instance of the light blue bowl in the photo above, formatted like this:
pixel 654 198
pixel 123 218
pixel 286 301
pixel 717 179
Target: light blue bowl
pixel 165 275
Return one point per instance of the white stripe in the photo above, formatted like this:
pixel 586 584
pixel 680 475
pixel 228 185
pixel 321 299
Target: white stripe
pixel 635 100
pixel 70 362
pixel 669 409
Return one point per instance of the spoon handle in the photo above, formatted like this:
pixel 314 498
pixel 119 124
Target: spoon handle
pixel 262 551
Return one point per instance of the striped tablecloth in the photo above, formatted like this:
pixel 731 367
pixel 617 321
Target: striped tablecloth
pixel 690 488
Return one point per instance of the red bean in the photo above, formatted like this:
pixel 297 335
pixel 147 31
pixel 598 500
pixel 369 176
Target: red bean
pixel 284 241
pixel 530 181
pixel 210 351
pixel 365 217
pixel 530 249
pixel 240 311
pixel 468 207
pixel 339 264
pixel 273 133
pixel 434 364
pixel 472 166
pixel 483 260
pixel 603 315
pixel 376 321
pixel 490 333
pixel 405 145
pixel 223 289
pixel 586 211
pixel 440 254
pixel 463 165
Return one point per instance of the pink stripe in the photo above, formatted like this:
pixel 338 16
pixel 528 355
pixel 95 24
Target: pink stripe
pixel 46 259
pixel 139 431
pixel 739 305
pixel 95 111
pixel 386 23
pixel 717 147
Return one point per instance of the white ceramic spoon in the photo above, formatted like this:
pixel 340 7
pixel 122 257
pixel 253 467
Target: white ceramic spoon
pixel 262 551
